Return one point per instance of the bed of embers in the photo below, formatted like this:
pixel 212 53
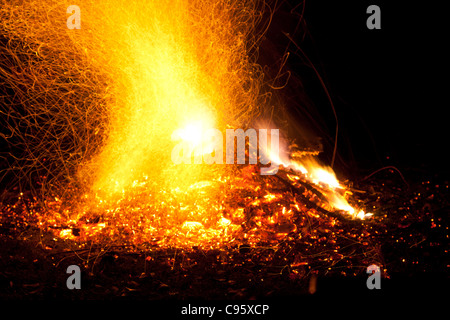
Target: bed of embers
pixel 262 236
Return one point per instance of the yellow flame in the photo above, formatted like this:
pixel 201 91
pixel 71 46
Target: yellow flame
pixel 325 178
pixel 324 175
pixel 174 64
pixel 195 133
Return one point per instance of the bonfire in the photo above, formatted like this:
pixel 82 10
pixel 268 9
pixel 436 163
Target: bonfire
pixel 92 115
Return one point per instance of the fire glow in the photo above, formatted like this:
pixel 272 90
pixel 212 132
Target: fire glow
pixel 153 69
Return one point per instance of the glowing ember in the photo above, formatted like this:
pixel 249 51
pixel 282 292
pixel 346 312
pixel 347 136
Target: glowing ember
pixel 153 72
pixel 247 208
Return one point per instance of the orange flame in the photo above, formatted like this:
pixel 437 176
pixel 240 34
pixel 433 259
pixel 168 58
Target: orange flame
pixel 323 177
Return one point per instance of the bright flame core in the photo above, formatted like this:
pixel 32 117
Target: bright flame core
pixel 195 133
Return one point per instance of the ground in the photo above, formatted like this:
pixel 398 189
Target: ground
pixel 408 238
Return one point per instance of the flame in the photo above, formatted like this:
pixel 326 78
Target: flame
pixel 152 68
pixel 323 177
pixel 134 73
pixel 195 134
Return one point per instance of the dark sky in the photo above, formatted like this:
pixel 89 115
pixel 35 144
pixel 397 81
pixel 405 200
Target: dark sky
pixel 387 85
